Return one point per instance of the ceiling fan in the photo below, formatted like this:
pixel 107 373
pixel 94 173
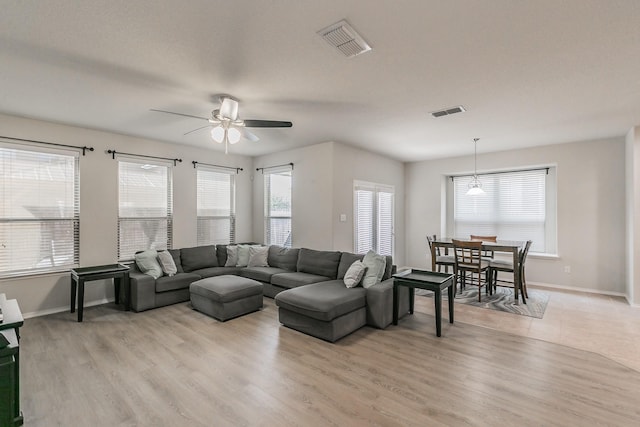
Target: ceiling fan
pixel 227 127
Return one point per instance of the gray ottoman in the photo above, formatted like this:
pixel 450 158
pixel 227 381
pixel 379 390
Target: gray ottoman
pixel 226 297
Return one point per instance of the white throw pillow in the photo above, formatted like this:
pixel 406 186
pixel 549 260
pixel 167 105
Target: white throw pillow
pixel 167 263
pixel 258 256
pixel 354 274
pixel 375 268
pixel 147 262
pixel 232 256
pixel 243 255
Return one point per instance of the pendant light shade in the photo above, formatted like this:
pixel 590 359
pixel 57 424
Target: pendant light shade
pixel 475 186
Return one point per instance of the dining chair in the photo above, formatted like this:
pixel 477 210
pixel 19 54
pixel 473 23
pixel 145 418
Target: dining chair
pixel 506 266
pixel 486 254
pixel 468 255
pixel 442 260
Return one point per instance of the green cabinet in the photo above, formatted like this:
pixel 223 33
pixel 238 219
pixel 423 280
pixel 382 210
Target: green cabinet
pixel 9 377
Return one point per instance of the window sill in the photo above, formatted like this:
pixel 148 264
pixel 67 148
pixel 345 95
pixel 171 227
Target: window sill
pixel 540 255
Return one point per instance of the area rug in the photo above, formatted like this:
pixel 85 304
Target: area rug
pixel 501 300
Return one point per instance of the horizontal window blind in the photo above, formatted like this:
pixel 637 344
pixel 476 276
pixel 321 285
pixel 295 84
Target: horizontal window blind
pixel 216 206
pixel 145 217
pixel 277 192
pixel 39 210
pixel 374 205
pixel 512 208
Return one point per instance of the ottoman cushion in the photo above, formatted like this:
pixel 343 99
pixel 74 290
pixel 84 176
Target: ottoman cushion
pixel 322 301
pixel 226 288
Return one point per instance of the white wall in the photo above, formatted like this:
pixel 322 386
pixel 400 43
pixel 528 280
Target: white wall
pixel 311 196
pixel 590 204
pixel 632 211
pixel 323 178
pixel 351 164
pixel 99 204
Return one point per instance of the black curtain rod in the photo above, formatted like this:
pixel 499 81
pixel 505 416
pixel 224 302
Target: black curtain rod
pixel 276 166
pixel 83 148
pixel 496 173
pixel 217 166
pixel 114 152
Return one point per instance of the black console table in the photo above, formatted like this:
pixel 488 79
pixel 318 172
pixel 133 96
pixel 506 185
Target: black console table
pixel 429 280
pixel 12 320
pixel 118 272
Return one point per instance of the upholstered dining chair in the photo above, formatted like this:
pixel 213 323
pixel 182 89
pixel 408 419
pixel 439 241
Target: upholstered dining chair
pixel 442 259
pixel 507 266
pixel 469 262
pixel 486 254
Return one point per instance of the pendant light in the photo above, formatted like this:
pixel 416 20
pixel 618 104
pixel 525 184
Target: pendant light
pixel 475 186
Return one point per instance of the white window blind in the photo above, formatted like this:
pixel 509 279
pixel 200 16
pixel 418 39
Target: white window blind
pixel 277 204
pixel 39 210
pixel 512 208
pixel 216 206
pixel 374 206
pixel 145 217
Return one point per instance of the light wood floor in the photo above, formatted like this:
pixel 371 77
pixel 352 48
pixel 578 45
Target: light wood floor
pixel 176 367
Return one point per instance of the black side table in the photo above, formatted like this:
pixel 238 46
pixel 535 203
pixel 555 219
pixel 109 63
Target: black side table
pixel 118 272
pixel 429 280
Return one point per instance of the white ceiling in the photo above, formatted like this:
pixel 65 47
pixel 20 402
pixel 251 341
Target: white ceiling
pixel 528 72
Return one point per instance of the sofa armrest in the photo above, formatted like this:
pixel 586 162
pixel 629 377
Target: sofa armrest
pixel 380 303
pixel 143 290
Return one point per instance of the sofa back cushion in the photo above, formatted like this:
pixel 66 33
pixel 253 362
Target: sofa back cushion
pixel 285 258
pixel 175 253
pixel 346 259
pixel 198 257
pixel 321 263
pixel 388 271
pixel 221 254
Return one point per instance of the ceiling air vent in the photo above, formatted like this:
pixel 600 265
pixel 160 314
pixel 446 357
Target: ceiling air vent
pixel 448 111
pixel 343 37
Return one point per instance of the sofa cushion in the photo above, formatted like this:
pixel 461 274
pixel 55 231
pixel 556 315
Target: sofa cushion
pixel 354 274
pixel 294 279
pixel 323 301
pixel 232 256
pixel 262 274
pixel 376 265
pixel 346 260
pixel 175 253
pixel 167 263
pixel 321 263
pixel 388 269
pixel 177 281
pixel 258 256
pixel 221 254
pixel 282 257
pixel 147 262
pixel 216 271
pixel 198 257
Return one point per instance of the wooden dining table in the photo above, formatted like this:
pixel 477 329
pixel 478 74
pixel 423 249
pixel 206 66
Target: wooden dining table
pixel 508 246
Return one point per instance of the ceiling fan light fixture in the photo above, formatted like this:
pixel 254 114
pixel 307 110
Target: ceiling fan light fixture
pixel 233 135
pixel 217 133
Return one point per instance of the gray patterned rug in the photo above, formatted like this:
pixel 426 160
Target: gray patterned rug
pixel 501 300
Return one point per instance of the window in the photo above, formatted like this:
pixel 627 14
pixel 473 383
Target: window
pixel 145 218
pixel 39 210
pixel 517 205
pixel 373 206
pixel 216 206
pixel 277 206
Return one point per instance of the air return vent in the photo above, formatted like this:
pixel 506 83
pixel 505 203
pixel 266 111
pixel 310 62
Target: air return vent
pixel 343 37
pixel 448 111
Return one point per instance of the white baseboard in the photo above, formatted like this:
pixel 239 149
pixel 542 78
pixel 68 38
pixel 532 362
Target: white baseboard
pixel 65 308
pixel 573 288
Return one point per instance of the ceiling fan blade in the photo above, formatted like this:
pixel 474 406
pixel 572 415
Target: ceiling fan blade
pixel 250 135
pixel 267 124
pixel 195 130
pixel 179 114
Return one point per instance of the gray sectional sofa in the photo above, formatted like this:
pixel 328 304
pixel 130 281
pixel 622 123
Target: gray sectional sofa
pixel 307 285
